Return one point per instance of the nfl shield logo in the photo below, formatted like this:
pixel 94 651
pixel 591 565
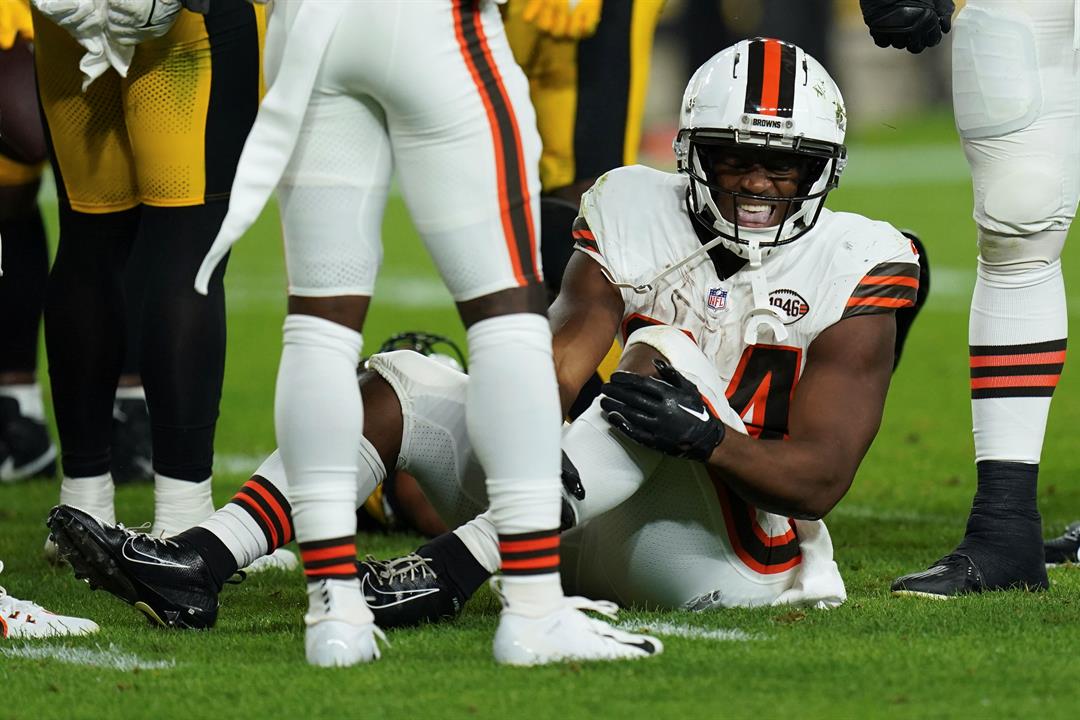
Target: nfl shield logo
pixel 718 299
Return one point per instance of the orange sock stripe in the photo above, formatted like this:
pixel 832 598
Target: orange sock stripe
pixel 1003 381
pixel 341 569
pixel 548 561
pixel 275 506
pixel 241 497
pixel 517 546
pixel 1044 358
pixel 330 553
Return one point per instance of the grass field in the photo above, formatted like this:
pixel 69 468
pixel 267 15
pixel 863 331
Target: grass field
pixel 1000 655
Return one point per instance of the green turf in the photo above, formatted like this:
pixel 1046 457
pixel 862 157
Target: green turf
pixel 1002 655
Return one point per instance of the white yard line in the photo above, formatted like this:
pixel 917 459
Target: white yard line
pixel 687 631
pixel 110 658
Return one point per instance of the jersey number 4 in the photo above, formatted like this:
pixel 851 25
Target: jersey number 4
pixel 762 388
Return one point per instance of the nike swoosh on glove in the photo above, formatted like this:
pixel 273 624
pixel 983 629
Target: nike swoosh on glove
pixel 129 22
pixel 665 413
pixel 907 24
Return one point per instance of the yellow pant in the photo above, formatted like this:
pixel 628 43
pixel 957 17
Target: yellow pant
pixel 170 133
pixel 589 94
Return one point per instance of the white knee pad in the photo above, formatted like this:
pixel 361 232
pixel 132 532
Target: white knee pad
pixel 686 357
pixel 1010 254
pixel 435 446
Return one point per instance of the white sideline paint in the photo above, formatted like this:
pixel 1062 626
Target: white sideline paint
pixel 687 631
pixel 111 658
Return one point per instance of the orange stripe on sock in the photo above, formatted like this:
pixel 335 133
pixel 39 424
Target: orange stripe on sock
pixel 551 561
pixel 516 546
pixel 1007 381
pixel 241 497
pixel 1046 358
pixel 338 551
pixel 282 516
pixel 342 569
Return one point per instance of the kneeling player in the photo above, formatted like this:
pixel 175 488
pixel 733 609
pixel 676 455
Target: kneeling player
pixel 791 305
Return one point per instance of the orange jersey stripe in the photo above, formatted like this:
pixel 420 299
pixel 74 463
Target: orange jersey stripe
pixel 266 518
pixel 890 280
pixel 516 546
pixel 497 141
pixel 880 302
pixel 584 235
pixel 330 553
pixel 279 511
pixel 1047 358
pixel 1007 381
pixel 551 561
pixel 766 539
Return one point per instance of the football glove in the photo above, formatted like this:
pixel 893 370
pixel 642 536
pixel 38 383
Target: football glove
pixel 666 413
pixel 14 22
pixel 129 22
pixel 566 19
pixel 81 18
pixel 911 24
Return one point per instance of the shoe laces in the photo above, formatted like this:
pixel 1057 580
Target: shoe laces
pixel 11 606
pixel 406 567
pixel 606 608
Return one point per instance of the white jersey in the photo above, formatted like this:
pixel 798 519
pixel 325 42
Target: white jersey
pixel 635 223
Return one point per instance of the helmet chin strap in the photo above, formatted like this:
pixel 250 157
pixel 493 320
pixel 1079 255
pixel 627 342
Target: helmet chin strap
pixel 762 316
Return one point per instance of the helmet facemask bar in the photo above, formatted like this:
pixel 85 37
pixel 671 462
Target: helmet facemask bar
pixel 824 163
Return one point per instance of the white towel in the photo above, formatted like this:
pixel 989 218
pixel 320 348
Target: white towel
pixel 818 583
pixel 85 21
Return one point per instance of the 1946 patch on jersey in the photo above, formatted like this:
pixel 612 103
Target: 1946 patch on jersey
pixel 791 305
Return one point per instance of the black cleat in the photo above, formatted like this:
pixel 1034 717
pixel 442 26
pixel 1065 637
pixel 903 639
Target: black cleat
pixel 166 580
pixel 26 450
pixel 1064 548
pixel 132 448
pixel 953 575
pixel 407 591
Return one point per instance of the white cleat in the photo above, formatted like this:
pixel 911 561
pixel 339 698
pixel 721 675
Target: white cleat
pixel 336 643
pixel 280 559
pixel 23 619
pixel 341 630
pixel 568 634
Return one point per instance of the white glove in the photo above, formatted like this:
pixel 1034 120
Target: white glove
pixel 81 18
pixel 129 22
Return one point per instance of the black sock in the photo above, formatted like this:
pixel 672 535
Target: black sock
pixel 1004 530
pixel 214 553
pixel 22 289
pixel 453 562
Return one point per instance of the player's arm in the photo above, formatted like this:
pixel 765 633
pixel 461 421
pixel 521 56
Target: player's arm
pixel 584 320
pixel 835 414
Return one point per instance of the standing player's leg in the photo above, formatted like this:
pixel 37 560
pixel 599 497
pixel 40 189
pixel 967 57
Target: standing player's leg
pixel 25 447
pixel 209 67
pixel 332 198
pixel 1021 135
pixel 84 310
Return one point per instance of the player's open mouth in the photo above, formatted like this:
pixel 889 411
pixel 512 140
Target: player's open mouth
pixel 755 214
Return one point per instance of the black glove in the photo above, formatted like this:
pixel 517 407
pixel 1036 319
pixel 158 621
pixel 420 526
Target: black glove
pixel 912 24
pixel 665 413
pixel 572 487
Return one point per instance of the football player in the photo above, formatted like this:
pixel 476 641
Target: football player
pixel 25 447
pixel 769 315
pixel 1020 129
pixel 145 159
pixel 429 90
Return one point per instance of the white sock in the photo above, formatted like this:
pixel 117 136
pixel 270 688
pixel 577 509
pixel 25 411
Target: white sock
pixel 180 504
pixel 29 398
pixel 1017 332
pixel 481 539
pixel 337 600
pixel 91 494
pixel 319 419
pixel 514 421
pixel 258 519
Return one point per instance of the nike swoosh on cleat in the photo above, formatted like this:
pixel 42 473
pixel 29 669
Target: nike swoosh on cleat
pixel 701 415
pixel 645 645
pixel 137 556
pixel 365 586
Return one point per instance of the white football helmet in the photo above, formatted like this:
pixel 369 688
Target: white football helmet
pixel 768 94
